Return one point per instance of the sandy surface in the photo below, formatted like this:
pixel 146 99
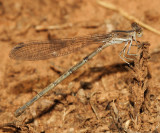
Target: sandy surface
pixel 102 96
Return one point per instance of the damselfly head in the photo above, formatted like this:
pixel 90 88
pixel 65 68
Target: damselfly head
pixel 137 28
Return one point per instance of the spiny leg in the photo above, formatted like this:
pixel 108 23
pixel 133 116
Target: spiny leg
pixel 123 50
pixel 130 48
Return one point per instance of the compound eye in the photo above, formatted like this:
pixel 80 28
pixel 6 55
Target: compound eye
pixel 139 34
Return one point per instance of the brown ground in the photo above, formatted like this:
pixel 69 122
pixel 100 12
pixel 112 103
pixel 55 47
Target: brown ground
pixel 104 95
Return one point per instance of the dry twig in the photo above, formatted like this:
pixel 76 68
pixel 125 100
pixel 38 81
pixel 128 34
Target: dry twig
pixel 126 15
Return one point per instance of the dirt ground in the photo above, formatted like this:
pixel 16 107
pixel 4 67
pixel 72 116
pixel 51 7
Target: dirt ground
pixel 105 95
